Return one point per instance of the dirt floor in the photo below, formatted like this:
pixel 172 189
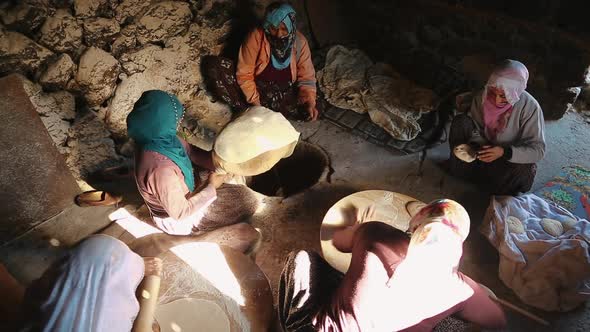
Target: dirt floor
pixel 293 223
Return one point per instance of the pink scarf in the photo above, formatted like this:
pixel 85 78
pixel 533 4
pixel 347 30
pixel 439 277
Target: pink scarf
pixel 511 77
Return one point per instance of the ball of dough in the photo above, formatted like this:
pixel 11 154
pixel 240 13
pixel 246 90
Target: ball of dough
pixel 514 225
pixel 552 226
pixel 568 223
pixel 465 152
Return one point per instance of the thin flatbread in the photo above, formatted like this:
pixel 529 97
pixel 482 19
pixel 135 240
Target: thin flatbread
pixel 191 314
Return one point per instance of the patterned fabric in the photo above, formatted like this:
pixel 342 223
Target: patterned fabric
pixel 221 80
pixel 281 47
pixel 571 190
pixel 446 211
pixel 280 97
pixel 499 177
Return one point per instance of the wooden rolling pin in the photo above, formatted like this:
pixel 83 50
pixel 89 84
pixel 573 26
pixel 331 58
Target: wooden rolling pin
pixel 515 308
pixel 148 292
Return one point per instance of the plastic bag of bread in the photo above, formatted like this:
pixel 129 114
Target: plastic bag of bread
pixel 254 142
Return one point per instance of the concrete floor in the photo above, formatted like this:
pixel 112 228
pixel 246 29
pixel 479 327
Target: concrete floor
pixel 293 223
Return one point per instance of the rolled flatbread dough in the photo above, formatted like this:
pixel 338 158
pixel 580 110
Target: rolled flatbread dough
pixel 465 152
pixel 514 225
pixel 255 132
pixel 552 226
pixel 569 223
pixel 191 314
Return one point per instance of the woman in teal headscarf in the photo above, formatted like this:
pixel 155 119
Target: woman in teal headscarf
pixel 164 172
pixel 274 68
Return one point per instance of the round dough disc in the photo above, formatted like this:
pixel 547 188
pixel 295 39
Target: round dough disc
pixel 514 225
pixel 465 152
pixel 552 226
pixel 569 223
pixel 191 315
pixel 390 208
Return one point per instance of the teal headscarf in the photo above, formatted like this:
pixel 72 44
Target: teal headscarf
pixel 281 47
pixel 152 125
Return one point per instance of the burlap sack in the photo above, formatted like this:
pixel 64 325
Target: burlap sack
pixel 254 142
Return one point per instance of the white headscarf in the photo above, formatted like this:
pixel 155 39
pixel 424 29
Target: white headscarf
pixel 510 76
pixel 427 278
pixel 93 288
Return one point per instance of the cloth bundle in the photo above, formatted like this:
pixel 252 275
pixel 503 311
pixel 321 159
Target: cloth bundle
pixel 254 142
pixel 351 81
pixel 545 271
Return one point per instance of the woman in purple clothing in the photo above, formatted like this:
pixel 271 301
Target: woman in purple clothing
pixel 393 283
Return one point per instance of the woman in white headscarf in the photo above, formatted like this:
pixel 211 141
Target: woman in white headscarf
pixel 92 288
pixel 505 128
pixel 393 283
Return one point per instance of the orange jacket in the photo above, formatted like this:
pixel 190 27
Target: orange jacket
pixel 254 56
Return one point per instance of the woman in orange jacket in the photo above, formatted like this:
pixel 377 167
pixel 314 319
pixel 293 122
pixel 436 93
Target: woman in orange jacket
pixel 274 69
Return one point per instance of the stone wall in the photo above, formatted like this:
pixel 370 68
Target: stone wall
pixel 567 15
pixel 428 40
pixel 88 61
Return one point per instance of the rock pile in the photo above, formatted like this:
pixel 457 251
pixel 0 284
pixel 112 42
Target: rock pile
pixel 86 62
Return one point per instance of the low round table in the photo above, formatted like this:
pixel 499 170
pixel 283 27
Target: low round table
pixel 390 207
pixel 208 287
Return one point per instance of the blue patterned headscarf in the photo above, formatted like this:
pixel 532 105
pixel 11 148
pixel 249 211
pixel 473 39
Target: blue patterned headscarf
pixel 152 124
pixel 281 47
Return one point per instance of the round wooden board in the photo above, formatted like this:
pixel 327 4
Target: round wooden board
pixel 219 275
pixel 390 208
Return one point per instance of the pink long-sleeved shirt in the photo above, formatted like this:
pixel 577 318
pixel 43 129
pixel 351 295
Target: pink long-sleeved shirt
pixel 161 184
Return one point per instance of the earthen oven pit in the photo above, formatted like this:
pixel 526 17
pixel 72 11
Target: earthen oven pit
pixel 308 165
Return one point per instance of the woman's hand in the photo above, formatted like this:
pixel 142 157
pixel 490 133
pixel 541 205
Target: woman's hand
pixel 312 112
pixel 354 218
pixel 490 153
pixel 217 179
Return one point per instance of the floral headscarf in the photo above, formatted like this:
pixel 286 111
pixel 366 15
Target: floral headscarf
pixel 445 211
pixel 281 46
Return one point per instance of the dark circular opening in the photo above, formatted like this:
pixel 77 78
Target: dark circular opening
pixel 294 174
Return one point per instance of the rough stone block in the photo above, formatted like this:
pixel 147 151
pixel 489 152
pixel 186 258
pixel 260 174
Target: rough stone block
pixel 35 183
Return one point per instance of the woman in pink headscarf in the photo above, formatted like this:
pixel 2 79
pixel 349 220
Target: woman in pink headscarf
pixel 505 126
